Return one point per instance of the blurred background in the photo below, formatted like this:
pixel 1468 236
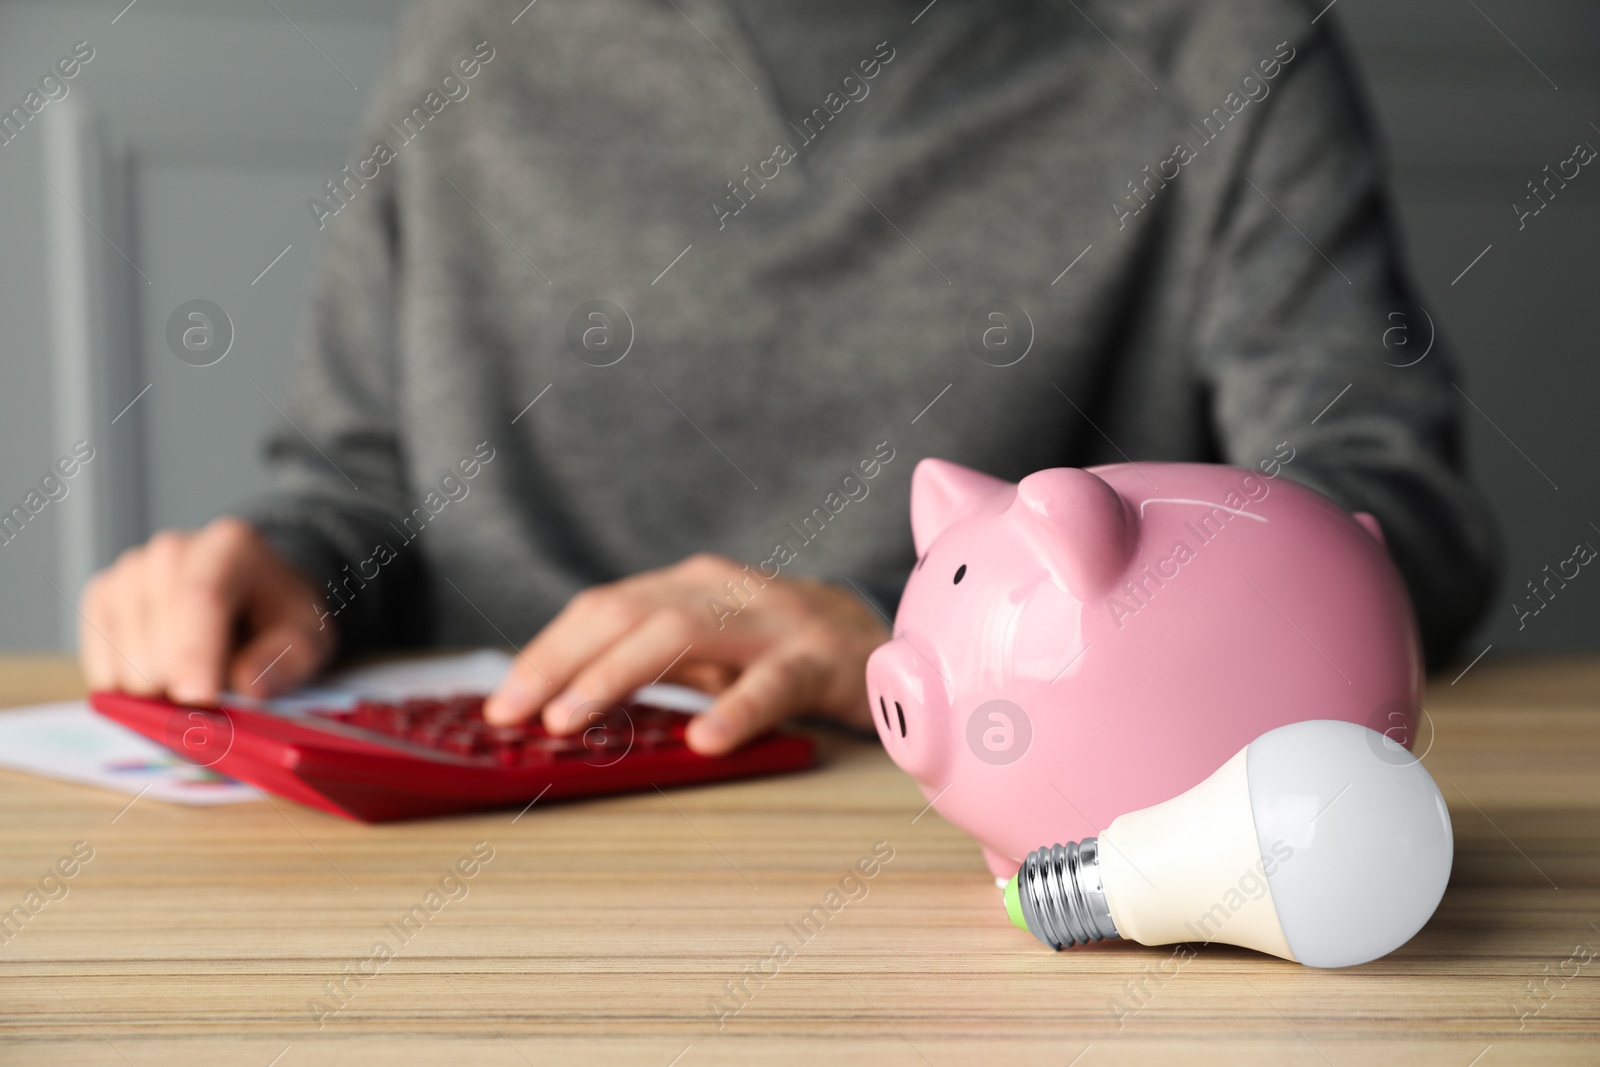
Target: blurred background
pixel 178 166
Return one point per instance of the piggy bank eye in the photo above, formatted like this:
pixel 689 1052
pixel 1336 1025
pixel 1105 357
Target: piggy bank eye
pixel 961 572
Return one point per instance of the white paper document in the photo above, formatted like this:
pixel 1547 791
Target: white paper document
pixel 70 742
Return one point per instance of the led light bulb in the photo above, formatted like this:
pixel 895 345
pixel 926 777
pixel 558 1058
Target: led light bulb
pixel 1322 842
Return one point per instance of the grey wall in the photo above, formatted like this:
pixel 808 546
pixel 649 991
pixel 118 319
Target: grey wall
pixel 222 118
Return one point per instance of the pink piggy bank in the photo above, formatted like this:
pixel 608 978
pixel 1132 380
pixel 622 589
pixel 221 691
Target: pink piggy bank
pixel 1090 642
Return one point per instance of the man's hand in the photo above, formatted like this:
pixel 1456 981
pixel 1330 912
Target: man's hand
pixel 794 646
pixel 189 612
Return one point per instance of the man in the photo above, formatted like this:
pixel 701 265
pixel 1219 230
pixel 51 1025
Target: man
pixel 633 318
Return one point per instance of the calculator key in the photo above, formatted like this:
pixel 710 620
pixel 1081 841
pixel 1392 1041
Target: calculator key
pixel 461 743
pixel 656 737
pixel 455 725
pixel 559 747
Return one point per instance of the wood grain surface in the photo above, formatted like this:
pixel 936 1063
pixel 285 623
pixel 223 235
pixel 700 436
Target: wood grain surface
pixel 609 931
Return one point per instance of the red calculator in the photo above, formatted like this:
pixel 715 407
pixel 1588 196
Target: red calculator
pixel 377 760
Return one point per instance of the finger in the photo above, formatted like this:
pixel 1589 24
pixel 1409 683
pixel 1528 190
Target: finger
pixel 94 649
pixel 130 624
pixel 124 672
pixel 637 658
pixel 206 605
pixel 590 623
pixel 788 681
pixel 162 561
pixel 279 658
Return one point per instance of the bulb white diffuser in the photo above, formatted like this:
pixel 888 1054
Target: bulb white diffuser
pixel 1322 842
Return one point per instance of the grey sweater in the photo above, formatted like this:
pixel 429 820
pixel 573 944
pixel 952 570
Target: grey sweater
pixel 748 262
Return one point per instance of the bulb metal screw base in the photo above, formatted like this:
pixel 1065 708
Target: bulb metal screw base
pixel 1061 897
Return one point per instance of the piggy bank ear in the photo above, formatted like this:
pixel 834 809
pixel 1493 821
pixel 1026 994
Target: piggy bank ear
pixel 1369 522
pixel 1083 530
pixel 943 493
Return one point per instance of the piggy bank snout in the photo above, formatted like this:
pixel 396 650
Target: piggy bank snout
pixel 909 708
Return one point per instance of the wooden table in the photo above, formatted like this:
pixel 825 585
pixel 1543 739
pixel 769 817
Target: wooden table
pixel 606 931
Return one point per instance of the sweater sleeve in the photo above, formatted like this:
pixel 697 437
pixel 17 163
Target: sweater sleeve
pixel 1313 346
pixel 341 484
